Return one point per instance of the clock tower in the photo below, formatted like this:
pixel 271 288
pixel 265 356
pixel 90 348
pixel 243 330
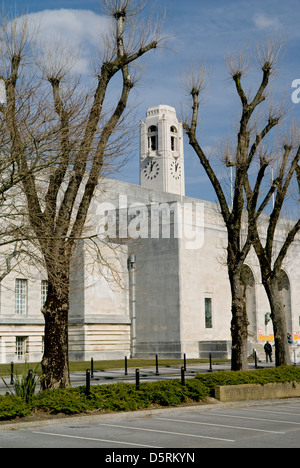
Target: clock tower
pixel 161 151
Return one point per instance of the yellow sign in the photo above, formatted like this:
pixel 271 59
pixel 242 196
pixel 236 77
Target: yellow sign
pixel 265 337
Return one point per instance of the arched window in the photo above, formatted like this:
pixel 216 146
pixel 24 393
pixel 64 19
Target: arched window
pixel 173 131
pixel 152 138
pixel 152 129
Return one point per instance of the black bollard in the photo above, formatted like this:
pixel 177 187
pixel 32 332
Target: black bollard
pixel 30 375
pixel 88 382
pixel 126 371
pixel 11 373
pixel 92 368
pixel 156 362
pixel 137 379
pixel 184 362
pixel 255 359
pixel 210 363
pixel 182 376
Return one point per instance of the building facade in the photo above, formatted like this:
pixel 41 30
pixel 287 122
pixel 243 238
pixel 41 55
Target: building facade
pixel 160 285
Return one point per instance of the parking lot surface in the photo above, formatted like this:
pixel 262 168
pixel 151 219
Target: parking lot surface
pixel 183 431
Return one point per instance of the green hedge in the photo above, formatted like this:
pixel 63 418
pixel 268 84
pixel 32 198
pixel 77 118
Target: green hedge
pixel 260 376
pixel 120 397
pixel 125 397
pixel 12 407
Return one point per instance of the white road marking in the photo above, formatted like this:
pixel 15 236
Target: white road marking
pixel 94 439
pixel 274 412
pixel 167 432
pixel 288 406
pixel 220 425
pixel 255 419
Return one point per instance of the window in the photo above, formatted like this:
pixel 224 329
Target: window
pixel 152 138
pixel 152 143
pixel 208 312
pixel 173 131
pixel 20 296
pixel 173 143
pixel 44 291
pixel 21 347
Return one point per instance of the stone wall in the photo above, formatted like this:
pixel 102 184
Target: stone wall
pixel 257 392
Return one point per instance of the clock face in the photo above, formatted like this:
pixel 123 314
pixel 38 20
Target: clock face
pixel 175 169
pixel 151 170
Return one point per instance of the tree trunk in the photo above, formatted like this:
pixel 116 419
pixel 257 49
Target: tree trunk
pixel 55 363
pixel 239 324
pixel 282 354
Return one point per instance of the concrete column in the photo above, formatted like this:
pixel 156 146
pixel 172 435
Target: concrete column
pixel 132 302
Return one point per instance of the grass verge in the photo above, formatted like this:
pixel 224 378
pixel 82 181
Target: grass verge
pixel 81 366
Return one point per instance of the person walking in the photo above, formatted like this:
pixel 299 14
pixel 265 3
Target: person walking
pixel 268 351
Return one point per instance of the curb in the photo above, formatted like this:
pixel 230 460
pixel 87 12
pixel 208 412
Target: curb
pixel 212 404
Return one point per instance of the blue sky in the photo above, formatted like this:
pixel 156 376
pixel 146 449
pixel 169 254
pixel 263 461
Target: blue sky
pixel 196 30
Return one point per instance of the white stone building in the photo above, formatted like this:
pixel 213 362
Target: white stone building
pixel 168 291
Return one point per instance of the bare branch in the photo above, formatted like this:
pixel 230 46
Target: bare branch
pixel 55 121
pixel 270 52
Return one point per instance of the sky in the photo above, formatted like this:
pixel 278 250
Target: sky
pixel 195 31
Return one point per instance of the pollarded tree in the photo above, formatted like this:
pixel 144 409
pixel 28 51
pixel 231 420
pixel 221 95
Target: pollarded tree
pixel 11 218
pixel 271 257
pixel 14 226
pixel 241 159
pixel 73 130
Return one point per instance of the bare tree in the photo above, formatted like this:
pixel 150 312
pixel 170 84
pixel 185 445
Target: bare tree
pixel 240 160
pixel 13 222
pixel 264 240
pixel 74 130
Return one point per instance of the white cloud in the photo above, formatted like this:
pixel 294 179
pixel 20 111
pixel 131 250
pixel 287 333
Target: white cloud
pixel 81 30
pixel 77 25
pixel 262 21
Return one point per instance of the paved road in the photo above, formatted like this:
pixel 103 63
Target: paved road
pixel 147 374
pixel 148 434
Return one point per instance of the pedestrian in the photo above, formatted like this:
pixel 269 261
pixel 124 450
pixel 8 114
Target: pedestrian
pixel 268 351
